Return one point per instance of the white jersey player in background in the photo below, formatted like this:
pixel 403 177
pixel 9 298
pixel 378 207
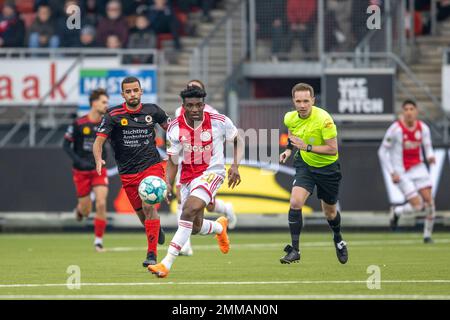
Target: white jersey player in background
pixel 217 205
pixel 199 137
pixel 401 154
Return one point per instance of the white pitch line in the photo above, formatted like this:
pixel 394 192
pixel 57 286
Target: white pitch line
pixel 234 297
pixel 219 283
pixel 277 245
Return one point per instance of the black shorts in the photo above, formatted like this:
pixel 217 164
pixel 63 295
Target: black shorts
pixel 327 179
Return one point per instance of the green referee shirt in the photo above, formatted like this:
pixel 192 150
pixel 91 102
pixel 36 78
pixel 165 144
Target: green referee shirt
pixel 314 130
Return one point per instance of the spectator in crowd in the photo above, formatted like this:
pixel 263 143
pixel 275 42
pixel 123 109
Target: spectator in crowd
pixel 206 6
pixel 163 20
pixel 132 7
pixel 56 6
pixel 113 41
pixel 69 38
pixel 301 16
pixel 443 10
pixel 42 32
pixel 359 19
pixel 113 23
pixel 341 29
pixel 141 37
pixel 92 10
pixel 87 37
pixel 12 28
pixel 277 18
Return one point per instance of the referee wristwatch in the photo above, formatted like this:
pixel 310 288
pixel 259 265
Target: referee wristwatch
pixel 308 148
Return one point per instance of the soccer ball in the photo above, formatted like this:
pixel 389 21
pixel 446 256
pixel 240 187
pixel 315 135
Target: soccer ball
pixel 152 190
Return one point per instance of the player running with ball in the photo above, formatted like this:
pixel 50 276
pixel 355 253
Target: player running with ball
pixel 198 137
pixel 216 205
pixel 401 154
pixel 130 130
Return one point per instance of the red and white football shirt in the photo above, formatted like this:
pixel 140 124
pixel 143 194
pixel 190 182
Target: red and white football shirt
pixel 201 148
pixel 402 148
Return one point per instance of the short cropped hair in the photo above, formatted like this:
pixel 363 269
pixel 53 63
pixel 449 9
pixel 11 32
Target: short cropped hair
pixel 130 79
pixel 192 92
pixel 96 94
pixel 302 87
pixel 409 101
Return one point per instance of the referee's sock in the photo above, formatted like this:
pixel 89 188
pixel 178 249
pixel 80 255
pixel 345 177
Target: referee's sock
pixel 335 225
pixel 295 226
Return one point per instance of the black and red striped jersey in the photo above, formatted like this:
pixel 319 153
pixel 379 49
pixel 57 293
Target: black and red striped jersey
pixel 132 135
pixel 81 133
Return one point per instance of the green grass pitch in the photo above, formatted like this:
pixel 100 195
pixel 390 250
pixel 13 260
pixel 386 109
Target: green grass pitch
pixel 34 266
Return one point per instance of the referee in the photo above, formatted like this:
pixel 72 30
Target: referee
pixel 313 132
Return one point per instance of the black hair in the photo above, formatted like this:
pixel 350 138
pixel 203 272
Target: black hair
pixel 192 92
pixel 130 79
pixel 409 101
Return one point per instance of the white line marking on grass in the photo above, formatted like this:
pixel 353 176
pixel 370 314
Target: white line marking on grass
pixel 218 283
pixel 277 245
pixel 224 297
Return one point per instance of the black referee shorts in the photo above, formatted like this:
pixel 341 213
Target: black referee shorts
pixel 327 179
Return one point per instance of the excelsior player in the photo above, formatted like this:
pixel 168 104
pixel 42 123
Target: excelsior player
pixel 130 130
pixel 401 154
pixel 199 137
pixel 217 205
pixel 78 142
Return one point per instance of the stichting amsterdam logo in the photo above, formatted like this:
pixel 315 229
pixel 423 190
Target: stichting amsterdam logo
pixel 124 122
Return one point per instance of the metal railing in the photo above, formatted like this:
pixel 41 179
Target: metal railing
pixel 396 19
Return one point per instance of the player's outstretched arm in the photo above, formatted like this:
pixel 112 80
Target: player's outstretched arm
pixel 97 149
pixel 234 178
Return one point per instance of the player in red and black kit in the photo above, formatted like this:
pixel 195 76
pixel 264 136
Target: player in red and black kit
pixel 78 142
pixel 130 130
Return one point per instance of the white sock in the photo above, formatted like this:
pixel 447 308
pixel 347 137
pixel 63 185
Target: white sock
pixel 179 239
pixel 209 227
pixel 98 241
pixel 429 221
pixel 186 245
pixel 220 206
pixel 406 208
pixel 188 242
pixel 179 211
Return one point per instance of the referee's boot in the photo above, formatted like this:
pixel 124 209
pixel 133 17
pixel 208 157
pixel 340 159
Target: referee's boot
pixel 151 260
pixel 162 236
pixel 292 255
pixel 341 251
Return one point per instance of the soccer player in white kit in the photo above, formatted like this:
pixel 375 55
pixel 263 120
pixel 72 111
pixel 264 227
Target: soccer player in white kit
pixel 217 205
pixel 198 137
pixel 401 154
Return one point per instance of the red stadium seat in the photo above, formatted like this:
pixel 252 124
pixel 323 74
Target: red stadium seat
pixel 24 6
pixel 163 37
